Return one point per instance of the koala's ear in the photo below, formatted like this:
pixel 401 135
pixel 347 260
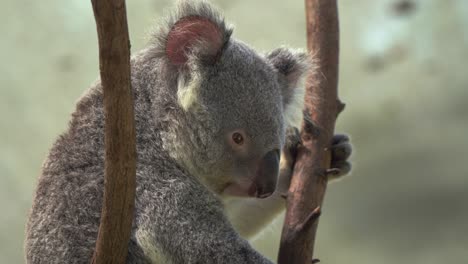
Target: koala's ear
pixel 196 36
pixel 194 31
pixel 192 36
pixel 292 67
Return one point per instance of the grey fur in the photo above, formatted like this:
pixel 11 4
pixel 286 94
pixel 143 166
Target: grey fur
pixel 180 213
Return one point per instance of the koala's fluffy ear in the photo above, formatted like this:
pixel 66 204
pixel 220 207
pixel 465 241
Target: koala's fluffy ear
pixel 192 37
pixel 195 36
pixel 292 67
pixel 194 32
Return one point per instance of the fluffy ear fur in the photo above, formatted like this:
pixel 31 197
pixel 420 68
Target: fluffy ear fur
pixel 193 36
pixel 195 31
pixel 292 67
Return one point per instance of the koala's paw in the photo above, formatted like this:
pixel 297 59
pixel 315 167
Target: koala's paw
pixel 288 158
pixel 341 149
pixel 293 140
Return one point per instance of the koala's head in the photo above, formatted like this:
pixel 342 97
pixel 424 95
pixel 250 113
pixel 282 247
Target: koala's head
pixel 233 105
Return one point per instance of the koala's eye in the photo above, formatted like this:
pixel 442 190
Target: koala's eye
pixel 238 138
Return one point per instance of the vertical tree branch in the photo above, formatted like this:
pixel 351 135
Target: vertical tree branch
pixel 120 152
pixel 309 180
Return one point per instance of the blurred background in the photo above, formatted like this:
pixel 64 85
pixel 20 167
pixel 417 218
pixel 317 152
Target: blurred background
pixel 403 75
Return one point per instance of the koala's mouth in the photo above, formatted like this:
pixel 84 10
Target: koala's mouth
pixel 247 188
pixel 244 188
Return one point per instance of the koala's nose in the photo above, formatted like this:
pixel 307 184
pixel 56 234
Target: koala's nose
pixel 267 174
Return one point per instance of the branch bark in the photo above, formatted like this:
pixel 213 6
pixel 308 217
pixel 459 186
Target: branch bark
pixel 120 149
pixel 322 106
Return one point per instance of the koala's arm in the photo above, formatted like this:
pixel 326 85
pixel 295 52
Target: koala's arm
pixel 250 215
pixel 185 223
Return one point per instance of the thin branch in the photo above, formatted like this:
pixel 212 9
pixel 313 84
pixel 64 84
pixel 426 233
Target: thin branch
pixel 120 150
pixel 309 180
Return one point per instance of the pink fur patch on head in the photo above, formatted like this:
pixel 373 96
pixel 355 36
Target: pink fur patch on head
pixel 188 32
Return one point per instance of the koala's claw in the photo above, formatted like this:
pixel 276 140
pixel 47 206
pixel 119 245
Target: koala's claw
pixel 293 140
pixel 333 172
pixel 341 150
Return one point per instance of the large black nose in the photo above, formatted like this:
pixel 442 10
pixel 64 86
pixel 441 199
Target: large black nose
pixel 267 174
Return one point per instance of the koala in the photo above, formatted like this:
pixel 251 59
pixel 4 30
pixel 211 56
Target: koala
pixel 215 150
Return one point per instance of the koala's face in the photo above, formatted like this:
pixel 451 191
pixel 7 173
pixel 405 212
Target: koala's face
pixel 237 98
pixel 242 96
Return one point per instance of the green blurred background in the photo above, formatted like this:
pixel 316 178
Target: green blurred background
pixel 403 75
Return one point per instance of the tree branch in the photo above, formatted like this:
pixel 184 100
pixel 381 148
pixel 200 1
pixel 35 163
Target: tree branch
pixel 309 180
pixel 120 150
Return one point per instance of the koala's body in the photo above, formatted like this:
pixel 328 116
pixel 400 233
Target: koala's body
pixel 211 116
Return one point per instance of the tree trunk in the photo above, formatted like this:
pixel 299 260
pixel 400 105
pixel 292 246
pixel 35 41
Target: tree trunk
pixel 322 106
pixel 120 149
